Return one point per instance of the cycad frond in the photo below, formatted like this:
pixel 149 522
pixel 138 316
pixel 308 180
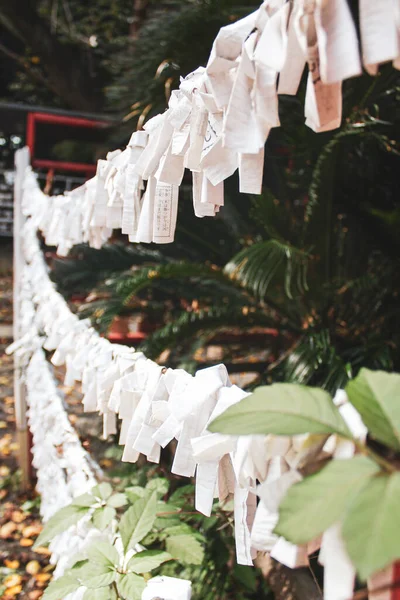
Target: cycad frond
pixel 135 281
pixel 314 361
pixel 189 324
pixel 257 265
pixel 85 266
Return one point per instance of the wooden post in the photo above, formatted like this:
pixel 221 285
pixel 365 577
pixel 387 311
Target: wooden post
pixel 21 162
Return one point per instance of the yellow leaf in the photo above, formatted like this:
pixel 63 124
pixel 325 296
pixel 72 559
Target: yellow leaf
pixel 33 567
pixel 14 591
pixel 26 542
pixel 12 580
pixel 3 424
pixel 18 516
pixel 43 576
pixel 31 530
pixel 11 564
pixel 7 530
pixel 4 471
pixel 42 550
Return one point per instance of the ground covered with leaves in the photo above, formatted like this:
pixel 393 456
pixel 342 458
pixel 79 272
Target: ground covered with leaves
pixel 24 572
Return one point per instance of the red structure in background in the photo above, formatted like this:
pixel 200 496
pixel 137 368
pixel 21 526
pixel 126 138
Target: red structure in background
pixel 34 118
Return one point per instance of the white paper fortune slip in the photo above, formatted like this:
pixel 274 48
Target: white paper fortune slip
pixel 165 213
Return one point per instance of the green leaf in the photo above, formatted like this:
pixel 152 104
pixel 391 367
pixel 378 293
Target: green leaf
pixel 257 266
pixel 95 575
pixel 103 516
pixel 182 529
pixel 247 576
pixel 102 491
pixel 59 522
pixel 85 500
pixel 180 495
pixel 376 396
pixel 283 409
pixel 117 500
pixel 321 500
pixel 134 492
pixel 186 549
pixel 131 586
pixel 103 593
pixel 146 561
pixel 371 529
pixel 159 484
pixel 103 553
pixel 60 587
pixel 79 562
pixel 138 520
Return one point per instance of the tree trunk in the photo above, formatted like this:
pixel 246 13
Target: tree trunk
pixel 139 16
pixel 65 65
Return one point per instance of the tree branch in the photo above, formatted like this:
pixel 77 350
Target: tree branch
pixel 65 65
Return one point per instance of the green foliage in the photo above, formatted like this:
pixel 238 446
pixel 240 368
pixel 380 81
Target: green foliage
pixel 186 549
pixel 359 493
pixel 257 266
pixel 61 587
pixel 130 586
pixel 283 409
pixel 146 561
pixel 102 565
pixel 373 394
pixel 371 525
pixel 313 505
pixel 59 522
pixel 138 520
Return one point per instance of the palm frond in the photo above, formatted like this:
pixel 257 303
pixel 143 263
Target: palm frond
pixel 135 281
pixel 189 324
pixel 256 266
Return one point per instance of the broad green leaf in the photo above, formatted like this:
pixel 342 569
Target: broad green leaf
pixel 95 575
pixel 131 586
pixel 159 484
pixel 138 520
pixel 103 516
pixel 186 549
pixel 376 396
pixel 59 522
pixel 85 500
pixel 117 500
pixel 102 491
pixel 283 409
pixel 321 500
pixel 182 529
pixel 371 529
pixel 103 553
pixel 103 593
pixel 146 561
pixel 134 492
pixel 60 587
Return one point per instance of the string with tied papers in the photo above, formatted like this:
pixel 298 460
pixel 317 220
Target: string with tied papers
pixel 157 405
pixel 219 119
